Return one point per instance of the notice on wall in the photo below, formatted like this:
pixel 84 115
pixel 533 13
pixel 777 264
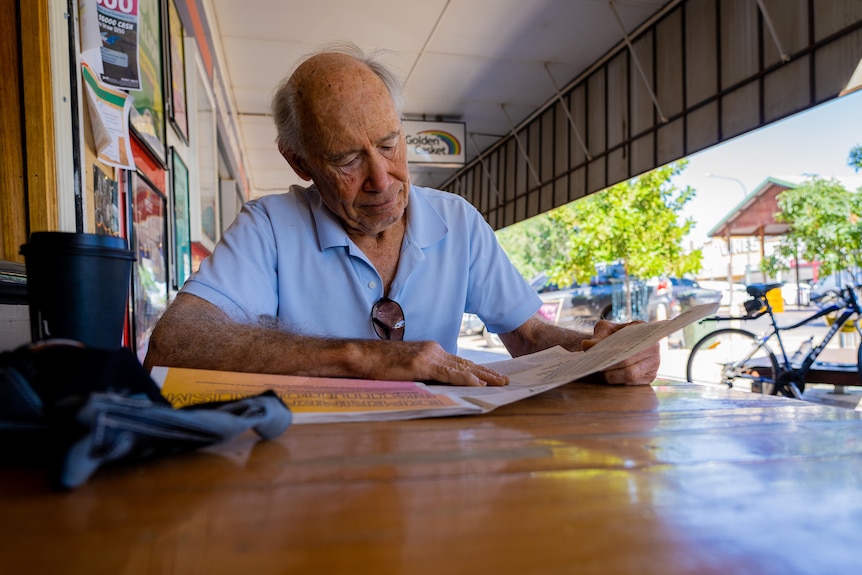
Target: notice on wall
pixel 109 117
pixel 119 25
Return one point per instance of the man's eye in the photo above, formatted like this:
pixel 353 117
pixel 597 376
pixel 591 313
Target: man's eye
pixel 348 162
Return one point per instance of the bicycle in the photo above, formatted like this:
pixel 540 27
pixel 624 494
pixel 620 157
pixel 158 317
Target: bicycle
pixel 733 355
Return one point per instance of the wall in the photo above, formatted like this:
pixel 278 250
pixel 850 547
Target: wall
pixel 46 129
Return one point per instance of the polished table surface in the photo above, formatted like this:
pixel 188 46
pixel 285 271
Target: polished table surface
pixel 672 478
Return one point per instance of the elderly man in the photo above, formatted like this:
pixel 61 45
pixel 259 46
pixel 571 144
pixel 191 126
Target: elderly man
pixel 361 274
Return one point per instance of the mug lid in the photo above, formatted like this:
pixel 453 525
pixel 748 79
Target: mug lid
pixel 73 241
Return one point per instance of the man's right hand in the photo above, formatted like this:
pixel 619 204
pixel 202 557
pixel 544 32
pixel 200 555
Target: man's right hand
pixel 425 361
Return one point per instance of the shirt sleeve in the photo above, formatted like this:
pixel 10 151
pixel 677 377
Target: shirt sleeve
pixel 497 292
pixel 240 276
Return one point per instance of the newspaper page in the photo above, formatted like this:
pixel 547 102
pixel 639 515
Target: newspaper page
pixel 538 372
pixel 326 400
pixel 314 399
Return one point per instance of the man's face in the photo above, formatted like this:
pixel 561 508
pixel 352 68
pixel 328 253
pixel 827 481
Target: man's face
pixel 355 148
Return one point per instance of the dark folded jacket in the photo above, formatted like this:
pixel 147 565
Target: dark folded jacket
pixel 74 409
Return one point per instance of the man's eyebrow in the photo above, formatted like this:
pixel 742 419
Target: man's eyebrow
pixel 390 136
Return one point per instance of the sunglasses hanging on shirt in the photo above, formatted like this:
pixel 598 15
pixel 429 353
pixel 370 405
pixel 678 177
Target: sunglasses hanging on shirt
pixel 387 317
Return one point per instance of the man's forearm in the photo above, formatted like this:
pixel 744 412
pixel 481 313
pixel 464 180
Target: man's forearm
pixel 193 333
pixel 537 335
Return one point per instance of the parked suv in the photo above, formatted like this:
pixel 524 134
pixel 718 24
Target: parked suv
pixel 832 285
pixel 689 293
pixel 595 301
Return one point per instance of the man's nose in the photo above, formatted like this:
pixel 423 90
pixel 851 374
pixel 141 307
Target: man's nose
pixel 377 172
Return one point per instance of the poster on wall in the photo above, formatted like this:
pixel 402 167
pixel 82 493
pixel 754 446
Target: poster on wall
pixel 150 277
pixel 109 121
pixel 176 50
pixel 119 29
pixel 182 222
pixel 148 111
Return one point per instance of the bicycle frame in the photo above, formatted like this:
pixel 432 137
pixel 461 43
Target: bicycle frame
pixel 848 306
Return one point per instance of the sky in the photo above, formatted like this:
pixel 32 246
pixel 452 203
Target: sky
pixel 817 141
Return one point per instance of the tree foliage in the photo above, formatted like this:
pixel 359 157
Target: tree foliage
pixel 635 223
pixel 535 245
pixel 825 226
pixel 855 158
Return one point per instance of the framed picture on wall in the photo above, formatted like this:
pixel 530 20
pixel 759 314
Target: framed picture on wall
pixel 182 222
pixel 150 244
pixel 147 116
pixel 106 204
pixel 177 103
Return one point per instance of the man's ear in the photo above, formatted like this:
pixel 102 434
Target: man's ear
pixel 296 162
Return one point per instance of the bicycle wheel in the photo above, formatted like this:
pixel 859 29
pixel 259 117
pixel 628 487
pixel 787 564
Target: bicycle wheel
pixel 732 357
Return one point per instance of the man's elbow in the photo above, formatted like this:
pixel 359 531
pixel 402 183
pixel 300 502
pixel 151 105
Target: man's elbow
pixel 154 355
pixel 166 336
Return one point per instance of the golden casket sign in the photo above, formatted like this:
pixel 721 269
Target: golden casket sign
pixel 439 143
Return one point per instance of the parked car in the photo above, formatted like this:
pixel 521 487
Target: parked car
pixel 833 284
pixel 740 292
pixel 557 300
pixel 471 324
pixel 689 292
pixel 595 301
pixel 796 294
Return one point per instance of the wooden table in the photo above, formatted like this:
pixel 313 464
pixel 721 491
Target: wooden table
pixel 673 478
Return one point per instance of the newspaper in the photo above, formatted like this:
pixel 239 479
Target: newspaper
pixel 324 400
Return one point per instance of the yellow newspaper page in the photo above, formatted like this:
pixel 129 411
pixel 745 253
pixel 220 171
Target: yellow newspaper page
pixel 313 399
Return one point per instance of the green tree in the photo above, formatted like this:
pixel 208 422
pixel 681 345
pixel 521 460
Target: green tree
pixel 855 158
pixel 825 226
pixel 635 223
pixel 535 245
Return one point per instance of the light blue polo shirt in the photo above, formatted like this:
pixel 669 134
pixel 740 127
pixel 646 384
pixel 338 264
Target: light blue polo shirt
pixel 288 256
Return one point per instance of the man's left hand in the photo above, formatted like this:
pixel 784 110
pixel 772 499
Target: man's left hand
pixel 638 369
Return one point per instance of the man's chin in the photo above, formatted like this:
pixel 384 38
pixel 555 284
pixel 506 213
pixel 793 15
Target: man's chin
pixel 374 224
